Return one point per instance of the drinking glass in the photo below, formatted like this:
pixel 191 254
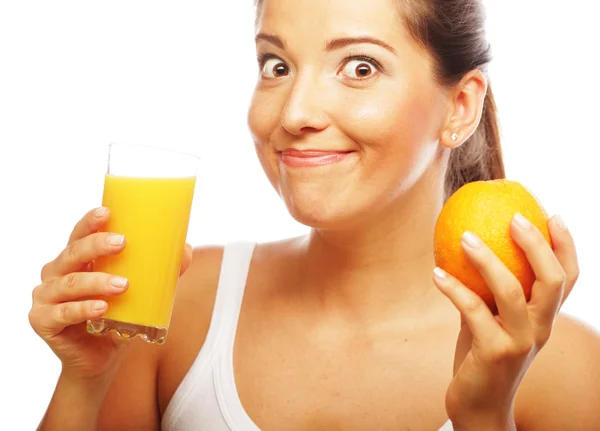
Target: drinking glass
pixel 149 193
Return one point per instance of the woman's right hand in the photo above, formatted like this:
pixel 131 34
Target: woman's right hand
pixel 62 304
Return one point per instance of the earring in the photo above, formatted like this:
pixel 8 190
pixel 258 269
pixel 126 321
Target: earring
pixel 454 137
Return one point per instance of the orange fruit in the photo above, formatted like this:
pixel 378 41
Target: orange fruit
pixel 487 208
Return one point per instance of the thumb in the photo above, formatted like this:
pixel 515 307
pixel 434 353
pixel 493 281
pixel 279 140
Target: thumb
pixel 187 258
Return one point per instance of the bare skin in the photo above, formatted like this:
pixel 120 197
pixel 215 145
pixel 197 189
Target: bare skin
pixel 416 353
pixel 279 338
pixel 345 328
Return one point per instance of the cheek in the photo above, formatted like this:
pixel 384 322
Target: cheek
pixel 388 123
pixel 397 131
pixel 263 116
pixel 263 120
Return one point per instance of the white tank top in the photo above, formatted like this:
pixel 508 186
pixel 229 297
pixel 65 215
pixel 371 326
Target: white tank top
pixel 207 399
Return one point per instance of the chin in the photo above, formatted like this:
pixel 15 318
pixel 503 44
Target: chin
pixel 326 209
pixel 317 218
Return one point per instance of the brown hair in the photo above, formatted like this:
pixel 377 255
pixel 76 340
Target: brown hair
pixel 452 32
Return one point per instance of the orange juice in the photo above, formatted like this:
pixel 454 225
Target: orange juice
pixel 153 214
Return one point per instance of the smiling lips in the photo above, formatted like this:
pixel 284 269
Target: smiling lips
pixel 311 158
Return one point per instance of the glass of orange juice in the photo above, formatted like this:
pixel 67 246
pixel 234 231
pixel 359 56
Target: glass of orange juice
pixel 149 193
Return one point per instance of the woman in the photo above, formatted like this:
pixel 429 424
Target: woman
pixel 366 116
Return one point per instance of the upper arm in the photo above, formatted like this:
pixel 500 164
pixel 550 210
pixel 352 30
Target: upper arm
pixel 561 391
pixel 131 400
pixel 139 391
pixel 192 313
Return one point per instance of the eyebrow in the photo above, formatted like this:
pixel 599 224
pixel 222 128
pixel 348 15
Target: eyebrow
pixel 332 45
pixel 345 41
pixel 275 40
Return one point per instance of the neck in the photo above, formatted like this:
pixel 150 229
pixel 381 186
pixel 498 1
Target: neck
pixel 381 266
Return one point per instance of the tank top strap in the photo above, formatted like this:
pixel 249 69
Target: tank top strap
pixel 197 386
pixel 230 292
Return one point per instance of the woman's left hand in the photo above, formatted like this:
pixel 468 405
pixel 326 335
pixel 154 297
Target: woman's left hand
pixel 493 353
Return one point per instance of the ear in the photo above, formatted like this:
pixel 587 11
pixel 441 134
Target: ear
pixel 465 109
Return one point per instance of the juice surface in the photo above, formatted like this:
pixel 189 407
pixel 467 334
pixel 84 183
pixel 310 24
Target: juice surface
pixel 153 214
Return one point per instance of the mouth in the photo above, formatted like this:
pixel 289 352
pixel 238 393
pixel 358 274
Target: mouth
pixel 312 158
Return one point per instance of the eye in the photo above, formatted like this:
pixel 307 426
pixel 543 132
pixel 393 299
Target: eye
pixel 275 68
pixel 359 69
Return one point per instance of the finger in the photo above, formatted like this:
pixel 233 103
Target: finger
pixel 187 258
pixel 80 253
pixel 51 320
pixel 82 285
pixel 474 311
pixel 506 288
pixel 547 291
pixel 545 308
pixel 89 223
pixel 566 253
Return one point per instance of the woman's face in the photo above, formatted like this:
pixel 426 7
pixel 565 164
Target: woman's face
pixel 346 115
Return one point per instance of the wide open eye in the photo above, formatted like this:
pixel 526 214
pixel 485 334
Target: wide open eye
pixel 275 68
pixel 358 69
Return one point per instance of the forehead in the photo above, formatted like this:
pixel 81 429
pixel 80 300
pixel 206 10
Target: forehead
pixel 317 21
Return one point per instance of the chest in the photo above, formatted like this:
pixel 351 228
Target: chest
pixel 292 374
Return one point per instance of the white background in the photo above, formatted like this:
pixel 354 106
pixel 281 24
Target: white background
pixel 77 75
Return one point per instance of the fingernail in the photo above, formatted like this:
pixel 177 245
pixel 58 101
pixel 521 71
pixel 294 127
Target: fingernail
pixel 100 212
pixel 521 221
pixel 471 239
pixel 439 273
pixel 560 223
pixel 116 239
pixel 119 282
pixel 100 305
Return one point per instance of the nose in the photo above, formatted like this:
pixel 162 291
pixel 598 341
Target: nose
pixel 304 110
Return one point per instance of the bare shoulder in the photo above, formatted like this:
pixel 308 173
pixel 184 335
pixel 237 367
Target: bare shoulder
pixel 561 389
pixel 200 281
pixel 195 296
pixel 190 321
pixel 192 315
